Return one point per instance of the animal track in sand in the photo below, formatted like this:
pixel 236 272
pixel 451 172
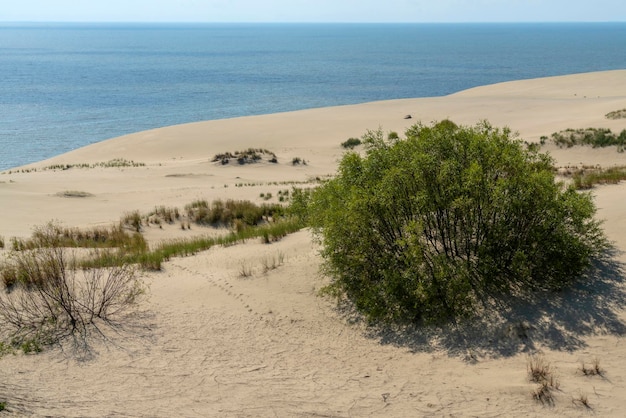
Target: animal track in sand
pixel 223 284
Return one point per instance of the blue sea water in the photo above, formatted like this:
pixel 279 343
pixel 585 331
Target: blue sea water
pixel 63 86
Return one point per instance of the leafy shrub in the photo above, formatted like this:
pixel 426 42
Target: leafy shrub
pixel 430 227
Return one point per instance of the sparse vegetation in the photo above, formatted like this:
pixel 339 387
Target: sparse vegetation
pixel 133 221
pixel 587 177
pixel 232 213
pixel 248 156
pixel 542 373
pixel 617 114
pixel 435 226
pixel 583 400
pixel 74 193
pixel 114 163
pixel 50 297
pixel 272 263
pixel 595 137
pixel 593 370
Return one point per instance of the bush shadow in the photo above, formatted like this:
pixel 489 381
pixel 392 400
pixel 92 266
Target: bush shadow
pixel 556 320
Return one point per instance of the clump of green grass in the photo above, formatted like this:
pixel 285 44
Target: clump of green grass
pixel 248 156
pixel 616 114
pixel 231 213
pixel 588 177
pixel 163 213
pixel 595 137
pixel 132 220
pixel 74 193
pixel 350 143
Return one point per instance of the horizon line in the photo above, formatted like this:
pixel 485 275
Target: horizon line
pixel 309 22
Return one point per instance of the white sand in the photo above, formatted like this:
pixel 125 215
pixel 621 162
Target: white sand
pixel 212 343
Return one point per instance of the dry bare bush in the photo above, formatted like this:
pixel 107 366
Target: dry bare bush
pixel 594 370
pixel 540 371
pixel 543 394
pixel 49 297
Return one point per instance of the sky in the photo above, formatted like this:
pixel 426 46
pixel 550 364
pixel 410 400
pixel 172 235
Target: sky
pixel 313 11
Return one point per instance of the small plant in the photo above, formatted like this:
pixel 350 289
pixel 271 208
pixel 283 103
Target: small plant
pixel 1 242
pixel 272 263
pixel 543 394
pixel 542 372
pixel 245 270
pixel 133 221
pixel 583 400
pixel 594 370
pixel 3 406
pixel 74 193
pixel 392 135
pixel 538 369
pixel 351 143
pixel 296 161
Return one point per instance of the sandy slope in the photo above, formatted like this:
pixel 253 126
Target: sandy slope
pixel 212 343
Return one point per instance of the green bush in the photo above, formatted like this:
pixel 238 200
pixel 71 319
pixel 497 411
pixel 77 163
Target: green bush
pixel 351 143
pixel 434 226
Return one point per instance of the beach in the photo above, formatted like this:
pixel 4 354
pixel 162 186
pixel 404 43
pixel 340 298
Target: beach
pixel 209 342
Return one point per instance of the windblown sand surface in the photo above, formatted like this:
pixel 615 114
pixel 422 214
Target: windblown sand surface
pixel 209 342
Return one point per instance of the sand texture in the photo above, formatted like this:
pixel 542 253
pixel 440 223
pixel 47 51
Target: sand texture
pixel 211 343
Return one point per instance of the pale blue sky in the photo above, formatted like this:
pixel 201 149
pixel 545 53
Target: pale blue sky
pixel 314 10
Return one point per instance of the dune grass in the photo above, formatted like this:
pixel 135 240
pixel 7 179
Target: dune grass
pixel 587 178
pixel 595 137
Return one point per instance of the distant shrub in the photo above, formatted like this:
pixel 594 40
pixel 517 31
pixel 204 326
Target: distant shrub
pixel 595 137
pixel 248 156
pixel 351 143
pixel 617 114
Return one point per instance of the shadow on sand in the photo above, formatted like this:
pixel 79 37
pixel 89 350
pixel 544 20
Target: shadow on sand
pixel 559 321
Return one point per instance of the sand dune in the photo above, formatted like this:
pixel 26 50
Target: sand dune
pixel 211 343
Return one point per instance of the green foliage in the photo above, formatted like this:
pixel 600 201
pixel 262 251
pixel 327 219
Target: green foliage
pixel 595 137
pixel 616 114
pixel 427 228
pixel 226 213
pixel 351 143
pixel 3 406
pixel 587 178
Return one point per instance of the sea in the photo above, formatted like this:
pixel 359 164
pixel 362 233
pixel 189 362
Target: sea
pixel 64 86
